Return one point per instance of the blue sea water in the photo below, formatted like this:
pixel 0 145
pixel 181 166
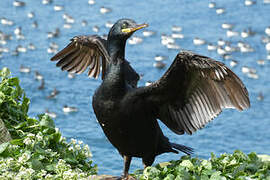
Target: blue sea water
pixel 247 130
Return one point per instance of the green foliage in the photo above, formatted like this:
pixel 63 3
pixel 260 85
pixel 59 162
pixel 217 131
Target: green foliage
pixel 236 166
pixel 37 149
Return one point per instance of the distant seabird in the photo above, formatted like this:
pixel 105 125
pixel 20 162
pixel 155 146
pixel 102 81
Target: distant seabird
pixel 95 28
pixel 69 109
pixel 50 114
pixel 176 28
pixel 227 26
pixel 198 41
pixel 159 64
pixel 148 33
pixel 24 69
pixel 220 10
pixel 177 35
pixel 211 47
pixel 160 58
pixel 105 10
pixel 31 15
pixel 212 5
pixel 231 33
pixel 53 94
pixel 18 3
pixel 38 76
pixel 7 22
pixel 42 85
pixel 58 7
pixel 91 2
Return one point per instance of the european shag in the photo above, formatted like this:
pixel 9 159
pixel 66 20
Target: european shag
pixel 192 92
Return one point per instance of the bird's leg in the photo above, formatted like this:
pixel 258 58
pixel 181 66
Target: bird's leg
pixel 127 160
pixel 144 166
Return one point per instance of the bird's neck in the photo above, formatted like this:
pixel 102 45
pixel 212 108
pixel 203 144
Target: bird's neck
pixel 116 49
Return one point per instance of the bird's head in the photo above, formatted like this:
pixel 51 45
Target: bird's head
pixel 124 28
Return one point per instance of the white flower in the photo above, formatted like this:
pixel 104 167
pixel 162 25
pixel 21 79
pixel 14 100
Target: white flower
pixel 88 154
pixel 77 147
pixel 29 171
pixel 43 172
pixel 24 173
pixel 25 157
pixel 48 176
pixel 62 139
pixel 39 136
pixel 28 141
pixel 86 147
pixel 31 135
pixel 9 161
pixel 71 148
pixel 57 130
pixel 73 141
pixel 69 174
pixel 48 150
pixel 80 142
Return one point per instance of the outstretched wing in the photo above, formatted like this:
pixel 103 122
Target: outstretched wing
pixel 83 52
pixel 193 91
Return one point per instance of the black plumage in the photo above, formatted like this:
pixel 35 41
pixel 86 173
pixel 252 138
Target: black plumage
pixel 192 92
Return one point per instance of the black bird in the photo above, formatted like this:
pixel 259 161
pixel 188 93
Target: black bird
pixel 192 92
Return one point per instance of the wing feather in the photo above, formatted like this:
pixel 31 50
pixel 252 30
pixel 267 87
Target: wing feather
pixel 83 52
pixel 194 90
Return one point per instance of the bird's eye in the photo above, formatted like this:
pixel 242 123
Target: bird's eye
pixel 124 26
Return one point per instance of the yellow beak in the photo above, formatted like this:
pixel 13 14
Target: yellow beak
pixel 133 29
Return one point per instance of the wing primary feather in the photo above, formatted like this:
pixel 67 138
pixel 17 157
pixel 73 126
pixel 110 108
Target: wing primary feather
pixel 193 120
pixel 198 111
pixel 83 64
pixel 184 121
pixel 189 119
pixel 68 60
pixel 201 106
pixel 97 68
pixel 75 60
pixel 179 119
pixel 205 106
pixel 93 59
pixel 195 113
pixel 92 69
pixel 87 61
pixel 64 52
pixel 78 65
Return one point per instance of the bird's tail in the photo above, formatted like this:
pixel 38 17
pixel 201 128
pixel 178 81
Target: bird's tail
pixel 184 149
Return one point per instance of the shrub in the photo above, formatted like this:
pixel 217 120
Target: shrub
pixel 236 166
pixel 37 149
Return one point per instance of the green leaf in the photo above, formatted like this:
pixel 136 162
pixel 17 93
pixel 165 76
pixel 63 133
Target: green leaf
pixel 36 164
pixel 3 147
pixel 50 167
pixel 18 142
pixel 25 104
pixel 46 121
pixel 19 126
pixel 2 97
pixel 169 177
pixel 216 176
pixel 206 164
pixel 71 160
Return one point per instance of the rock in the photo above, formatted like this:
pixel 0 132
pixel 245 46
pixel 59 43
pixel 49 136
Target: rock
pixel 4 134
